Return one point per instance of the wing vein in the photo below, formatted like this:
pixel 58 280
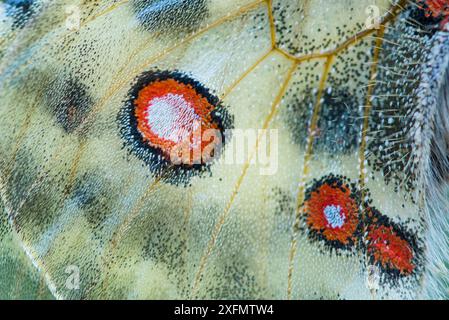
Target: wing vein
pixel 222 218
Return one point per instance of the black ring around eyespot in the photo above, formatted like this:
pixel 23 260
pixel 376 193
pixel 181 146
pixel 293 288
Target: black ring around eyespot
pixel 153 157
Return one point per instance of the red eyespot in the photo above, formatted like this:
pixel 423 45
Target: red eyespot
pixel 390 247
pixel 172 123
pixel 331 211
pixel 171 114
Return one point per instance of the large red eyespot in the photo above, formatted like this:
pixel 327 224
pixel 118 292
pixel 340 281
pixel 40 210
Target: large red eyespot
pixel 332 212
pixel 390 246
pixel 172 122
pixel 170 114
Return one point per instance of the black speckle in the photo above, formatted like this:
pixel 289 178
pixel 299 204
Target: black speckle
pixel 390 274
pixel 393 149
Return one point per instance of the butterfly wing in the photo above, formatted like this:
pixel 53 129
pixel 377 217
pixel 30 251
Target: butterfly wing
pixel 319 191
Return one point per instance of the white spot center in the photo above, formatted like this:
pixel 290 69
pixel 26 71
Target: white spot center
pixel 334 216
pixel 171 117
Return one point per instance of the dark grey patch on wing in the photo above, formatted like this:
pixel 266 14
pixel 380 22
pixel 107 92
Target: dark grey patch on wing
pixel 290 18
pixel 20 11
pixel 91 193
pixel 35 202
pixel 338 123
pixel 340 115
pixel 69 102
pixel 168 16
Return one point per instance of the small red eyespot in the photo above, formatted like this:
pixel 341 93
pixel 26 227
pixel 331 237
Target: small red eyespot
pixel 332 212
pixel 388 246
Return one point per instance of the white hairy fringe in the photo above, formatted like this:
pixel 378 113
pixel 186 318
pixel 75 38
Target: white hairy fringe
pixel 434 93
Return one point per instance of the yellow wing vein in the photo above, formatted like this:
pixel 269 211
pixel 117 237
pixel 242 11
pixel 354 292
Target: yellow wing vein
pixel 134 211
pixel 222 218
